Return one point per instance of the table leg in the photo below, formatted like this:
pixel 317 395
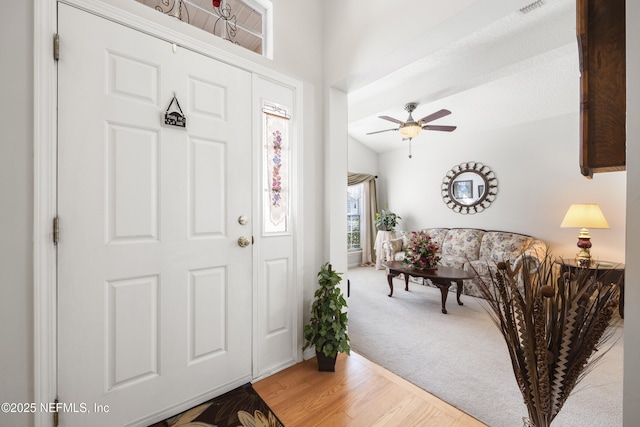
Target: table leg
pixel 444 291
pixel 390 275
pixel 459 291
pixel 406 282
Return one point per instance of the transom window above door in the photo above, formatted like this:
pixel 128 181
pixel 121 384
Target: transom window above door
pixel 243 22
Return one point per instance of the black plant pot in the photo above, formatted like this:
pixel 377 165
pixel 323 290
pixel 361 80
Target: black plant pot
pixel 326 363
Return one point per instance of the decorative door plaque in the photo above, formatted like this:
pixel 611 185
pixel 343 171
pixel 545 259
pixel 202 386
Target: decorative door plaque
pixel 175 117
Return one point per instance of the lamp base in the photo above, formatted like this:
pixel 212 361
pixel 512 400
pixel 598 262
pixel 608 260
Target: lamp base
pixel 583 258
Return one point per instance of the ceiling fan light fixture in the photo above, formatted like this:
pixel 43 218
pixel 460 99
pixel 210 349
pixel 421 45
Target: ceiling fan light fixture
pixel 410 130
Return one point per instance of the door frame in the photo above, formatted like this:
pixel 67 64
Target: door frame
pixel 45 130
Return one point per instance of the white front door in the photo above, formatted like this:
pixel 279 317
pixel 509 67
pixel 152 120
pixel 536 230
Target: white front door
pixel 154 292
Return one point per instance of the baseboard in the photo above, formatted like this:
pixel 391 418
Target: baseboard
pixel 309 353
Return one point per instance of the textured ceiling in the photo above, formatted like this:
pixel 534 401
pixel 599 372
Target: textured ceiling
pixel 521 68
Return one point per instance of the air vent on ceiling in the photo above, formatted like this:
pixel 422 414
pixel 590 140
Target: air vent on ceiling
pixel 528 8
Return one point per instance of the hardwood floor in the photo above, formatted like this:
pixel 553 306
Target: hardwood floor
pixel 359 393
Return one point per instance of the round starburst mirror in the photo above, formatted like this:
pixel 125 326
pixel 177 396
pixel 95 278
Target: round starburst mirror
pixel 469 188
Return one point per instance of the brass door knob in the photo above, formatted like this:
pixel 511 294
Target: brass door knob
pixel 243 241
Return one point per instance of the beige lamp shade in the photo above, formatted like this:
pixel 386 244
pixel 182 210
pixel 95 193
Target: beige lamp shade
pixel 584 216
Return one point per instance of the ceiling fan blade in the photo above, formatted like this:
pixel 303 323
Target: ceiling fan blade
pixel 434 116
pixel 391 119
pixel 440 128
pixel 380 131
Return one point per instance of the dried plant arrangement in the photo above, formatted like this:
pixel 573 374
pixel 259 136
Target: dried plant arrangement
pixel 556 330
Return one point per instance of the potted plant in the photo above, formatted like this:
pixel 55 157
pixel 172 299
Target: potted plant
pixel 555 329
pixel 327 327
pixel 386 220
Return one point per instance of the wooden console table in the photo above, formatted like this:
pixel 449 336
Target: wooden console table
pixel 441 277
pixel 611 271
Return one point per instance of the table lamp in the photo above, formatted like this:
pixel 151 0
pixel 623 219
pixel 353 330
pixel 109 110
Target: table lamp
pixel 584 216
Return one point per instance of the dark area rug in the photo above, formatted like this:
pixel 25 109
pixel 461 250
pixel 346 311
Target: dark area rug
pixel 241 407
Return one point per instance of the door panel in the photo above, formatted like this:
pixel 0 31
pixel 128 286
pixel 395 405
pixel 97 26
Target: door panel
pixel 154 293
pixel 275 303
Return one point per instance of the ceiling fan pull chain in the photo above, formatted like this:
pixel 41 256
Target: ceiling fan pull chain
pixel 410 147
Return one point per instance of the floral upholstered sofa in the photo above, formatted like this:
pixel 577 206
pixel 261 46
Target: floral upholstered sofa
pixel 477 251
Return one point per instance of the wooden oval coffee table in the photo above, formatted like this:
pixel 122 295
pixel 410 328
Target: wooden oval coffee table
pixel 441 277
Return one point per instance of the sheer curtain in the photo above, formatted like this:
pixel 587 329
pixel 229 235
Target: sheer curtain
pixel 370 206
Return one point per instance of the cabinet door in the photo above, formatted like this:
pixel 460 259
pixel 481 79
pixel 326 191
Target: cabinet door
pixel 601 38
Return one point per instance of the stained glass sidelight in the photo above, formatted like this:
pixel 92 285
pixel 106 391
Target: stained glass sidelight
pixel 277 167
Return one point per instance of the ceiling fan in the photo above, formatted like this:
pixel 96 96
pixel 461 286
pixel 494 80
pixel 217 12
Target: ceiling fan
pixel 411 128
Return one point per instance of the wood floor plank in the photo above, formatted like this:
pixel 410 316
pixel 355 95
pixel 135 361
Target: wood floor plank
pixel 359 393
pixel 376 397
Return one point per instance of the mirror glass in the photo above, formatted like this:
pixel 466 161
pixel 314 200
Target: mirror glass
pixel 469 187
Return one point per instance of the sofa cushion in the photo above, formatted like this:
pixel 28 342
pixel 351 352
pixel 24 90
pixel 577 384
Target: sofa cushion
pixel 463 242
pixel 503 246
pixel 398 256
pixel 395 245
pixel 405 238
pixel 453 261
pixel 537 249
pixel 482 271
pixel 437 235
pixel 482 267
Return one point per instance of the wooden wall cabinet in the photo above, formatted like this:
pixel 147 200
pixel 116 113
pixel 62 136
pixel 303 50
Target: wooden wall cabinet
pixel 601 43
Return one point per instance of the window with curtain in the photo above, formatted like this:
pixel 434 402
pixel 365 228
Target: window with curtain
pixel 362 204
pixel 354 217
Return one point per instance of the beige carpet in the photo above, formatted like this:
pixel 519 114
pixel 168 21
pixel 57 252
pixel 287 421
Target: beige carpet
pixel 461 356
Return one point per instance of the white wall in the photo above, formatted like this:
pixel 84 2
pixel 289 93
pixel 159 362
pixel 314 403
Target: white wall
pixel 632 274
pixel 536 165
pixel 16 210
pixel 335 198
pixel 298 45
pixel 361 158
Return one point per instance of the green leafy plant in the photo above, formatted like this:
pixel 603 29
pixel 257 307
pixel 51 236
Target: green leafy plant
pixel 386 220
pixel 552 329
pixel 327 328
